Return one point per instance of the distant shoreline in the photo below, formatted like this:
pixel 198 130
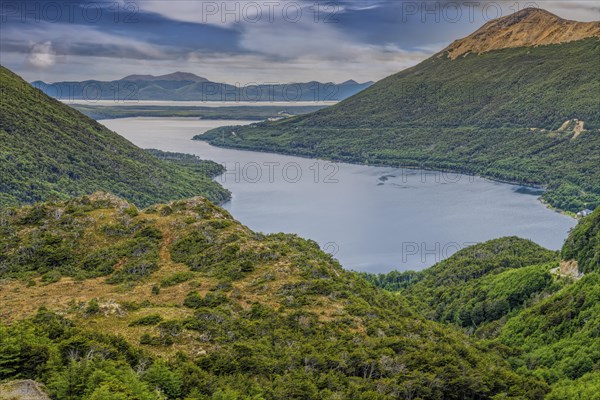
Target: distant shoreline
pixel 512 183
pixel 195 103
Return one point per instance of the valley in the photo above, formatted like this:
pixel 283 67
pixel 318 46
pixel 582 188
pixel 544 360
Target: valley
pixel 431 236
pixel 274 193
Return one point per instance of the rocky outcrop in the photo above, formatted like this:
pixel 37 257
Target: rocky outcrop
pixel 23 390
pixel 569 269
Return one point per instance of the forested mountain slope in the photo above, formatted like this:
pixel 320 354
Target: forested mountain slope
pixel 583 244
pixel 559 338
pixel 512 292
pixel 50 151
pixel 528 114
pixel 204 308
pixel 483 283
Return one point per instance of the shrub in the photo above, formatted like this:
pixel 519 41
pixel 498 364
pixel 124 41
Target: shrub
pixel 93 307
pixel 147 320
pixel 194 300
pixel 176 278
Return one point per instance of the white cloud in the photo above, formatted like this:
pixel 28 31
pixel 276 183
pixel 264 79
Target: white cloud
pixel 275 50
pixel 575 10
pixel 242 69
pixel 41 55
pixel 68 39
pixel 283 47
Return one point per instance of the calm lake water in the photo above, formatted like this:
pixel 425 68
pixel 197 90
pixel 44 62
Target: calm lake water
pixel 371 218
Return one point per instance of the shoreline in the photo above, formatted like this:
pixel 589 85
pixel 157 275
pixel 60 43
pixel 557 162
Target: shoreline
pixel 508 182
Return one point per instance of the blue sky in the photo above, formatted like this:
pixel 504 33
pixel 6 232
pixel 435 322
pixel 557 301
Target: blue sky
pixel 242 41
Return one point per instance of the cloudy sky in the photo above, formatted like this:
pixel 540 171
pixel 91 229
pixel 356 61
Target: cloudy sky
pixel 242 41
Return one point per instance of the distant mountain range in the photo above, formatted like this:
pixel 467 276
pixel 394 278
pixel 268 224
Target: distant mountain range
pixel 185 86
pixel 517 101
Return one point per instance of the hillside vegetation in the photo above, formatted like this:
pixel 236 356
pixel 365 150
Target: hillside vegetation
pixel 50 151
pixel 560 340
pixel 502 114
pixel 583 244
pixel 478 285
pixel 101 300
pixel 507 291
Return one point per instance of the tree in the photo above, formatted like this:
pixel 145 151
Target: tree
pixel 159 376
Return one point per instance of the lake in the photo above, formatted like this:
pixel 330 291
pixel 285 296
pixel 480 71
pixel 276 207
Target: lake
pixel 372 219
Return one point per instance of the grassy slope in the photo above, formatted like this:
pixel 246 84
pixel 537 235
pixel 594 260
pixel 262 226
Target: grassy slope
pixel 472 115
pixel 223 307
pixel 50 151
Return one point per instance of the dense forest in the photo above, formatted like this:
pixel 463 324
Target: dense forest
pixel 508 292
pixel 193 305
pixel 512 115
pixel 484 282
pixel 583 244
pixel 51 151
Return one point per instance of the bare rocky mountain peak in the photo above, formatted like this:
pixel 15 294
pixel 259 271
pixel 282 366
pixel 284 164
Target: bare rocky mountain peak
pixel 528 27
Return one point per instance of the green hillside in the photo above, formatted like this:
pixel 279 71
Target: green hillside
pixel 50 151
pixel 101 300
pixel 501 114
pixel 560 340
pixel 583 244
pixel 479 284
pixel 508 292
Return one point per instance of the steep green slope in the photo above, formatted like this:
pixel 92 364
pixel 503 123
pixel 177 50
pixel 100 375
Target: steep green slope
pixel 583 244
pixel 523 87
pixel 560 340
pixel 505 290
pixel 499 114
pixel 50 151
pixel 479 284
pixel 194 304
